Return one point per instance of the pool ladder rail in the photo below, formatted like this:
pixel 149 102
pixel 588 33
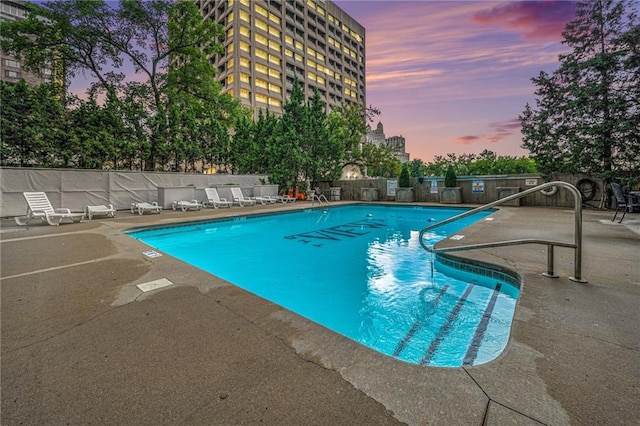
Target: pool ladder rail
pixel 576 245
pixel 322 200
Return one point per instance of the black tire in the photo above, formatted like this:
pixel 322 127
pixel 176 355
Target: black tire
pixel 587 188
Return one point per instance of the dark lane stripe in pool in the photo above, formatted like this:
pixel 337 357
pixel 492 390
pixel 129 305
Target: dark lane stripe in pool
pixel 418 323
pixel 444 330
pixel 472 351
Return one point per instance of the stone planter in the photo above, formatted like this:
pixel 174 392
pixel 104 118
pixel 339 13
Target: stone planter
pixel 405 195
pixel 334 192
pixel 265 190
pixel 450 195
pixel 505 191
pixel 369 194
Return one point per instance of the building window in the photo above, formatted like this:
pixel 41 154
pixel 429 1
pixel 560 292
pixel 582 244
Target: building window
pixel 274 60
pixel 261 24
pixel 273 18
pixel 261 39
pixel 274 31
pixel 262 68
pixel 275 88
pixel 262 98
pixel 245 78
pixel 261 10
pixel 274 73
pixel 11 74
pixel 261 54
pixel 11 63
pixel 245 94
pixel 274 45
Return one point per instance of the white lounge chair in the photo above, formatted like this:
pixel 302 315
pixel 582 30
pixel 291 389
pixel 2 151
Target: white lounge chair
pixel 215 200
pixel 140 208
pixel 285 199
pixel 39 207
pixel 102 209
pixel 265 199
pixel 240 199
pixel 186 205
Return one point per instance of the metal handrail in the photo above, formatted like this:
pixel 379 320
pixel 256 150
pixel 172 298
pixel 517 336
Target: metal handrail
pixel 576 245
pixel 321 198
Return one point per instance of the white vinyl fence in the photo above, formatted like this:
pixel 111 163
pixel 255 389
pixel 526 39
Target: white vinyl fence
pixel 76 189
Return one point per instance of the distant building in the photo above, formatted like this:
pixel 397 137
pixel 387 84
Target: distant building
pixel 270 43
pixel 11 70
pixel 378 138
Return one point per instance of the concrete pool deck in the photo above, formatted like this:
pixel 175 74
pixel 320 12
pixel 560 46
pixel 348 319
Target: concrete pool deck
pixel 81 343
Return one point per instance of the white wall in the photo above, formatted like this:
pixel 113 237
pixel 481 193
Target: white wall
pixel 76 189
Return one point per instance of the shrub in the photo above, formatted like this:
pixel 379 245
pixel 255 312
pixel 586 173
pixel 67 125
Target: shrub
pixel 404 181
pixel 450 179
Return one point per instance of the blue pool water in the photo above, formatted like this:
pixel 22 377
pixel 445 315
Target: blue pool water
pixel 360 271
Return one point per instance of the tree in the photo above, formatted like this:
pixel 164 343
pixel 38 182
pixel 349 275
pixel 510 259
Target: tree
pixel 288 144
pixel 166 42
pixel 485 163
pixel 586 115
pixel 380 160
pixel 417 167
pixel 33 120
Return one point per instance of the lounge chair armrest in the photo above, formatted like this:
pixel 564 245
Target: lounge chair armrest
pixel 63 211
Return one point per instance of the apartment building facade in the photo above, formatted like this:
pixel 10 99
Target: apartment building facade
pixel 270 43
pixel 11 69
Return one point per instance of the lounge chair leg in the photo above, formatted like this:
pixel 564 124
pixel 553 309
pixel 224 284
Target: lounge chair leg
pixel 22 220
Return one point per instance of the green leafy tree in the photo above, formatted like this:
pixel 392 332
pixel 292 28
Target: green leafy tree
pixel 586 115
pixel 324 155
pixel 17 132
pixel 33 120
pixel 380 160
pixel 417 167
pixel 485 163
pixel 166 42
pixel 288 145
pixel 246 154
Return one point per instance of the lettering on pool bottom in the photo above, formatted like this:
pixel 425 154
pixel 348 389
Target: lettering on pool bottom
pixel 339 232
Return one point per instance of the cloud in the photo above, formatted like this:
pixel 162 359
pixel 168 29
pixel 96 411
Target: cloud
pixel 534 20
pixel 467 140
pixel 499 131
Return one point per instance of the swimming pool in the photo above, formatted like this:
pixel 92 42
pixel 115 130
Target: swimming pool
pixel 360 271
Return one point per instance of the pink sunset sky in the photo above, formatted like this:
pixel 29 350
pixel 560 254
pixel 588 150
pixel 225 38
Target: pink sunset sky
pixel 453 76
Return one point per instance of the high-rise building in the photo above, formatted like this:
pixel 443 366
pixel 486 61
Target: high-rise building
pixel 270 43
pixel 397 143
pixel 11 69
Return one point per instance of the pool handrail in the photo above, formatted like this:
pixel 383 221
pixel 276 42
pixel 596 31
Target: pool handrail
pixel 321 199
pixel 576 245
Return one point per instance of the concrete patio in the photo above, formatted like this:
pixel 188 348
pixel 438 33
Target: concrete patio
pixel 82 344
